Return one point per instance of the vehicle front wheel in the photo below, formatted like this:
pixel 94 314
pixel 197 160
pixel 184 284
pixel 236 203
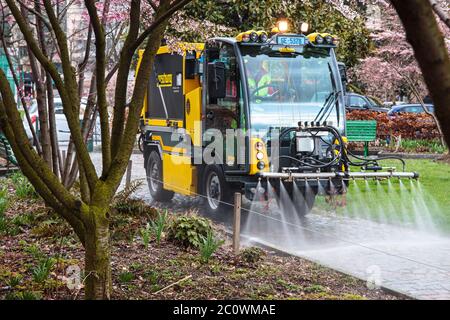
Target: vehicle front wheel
pixel 155 178
pixel 217 193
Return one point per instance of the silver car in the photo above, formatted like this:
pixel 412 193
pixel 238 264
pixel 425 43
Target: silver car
pixel 62 127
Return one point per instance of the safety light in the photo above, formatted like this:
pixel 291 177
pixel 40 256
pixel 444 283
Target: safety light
pixel 283 26
pixel 263 37
pixel 329 39
pixel 259 145
pixel 304 27
pixel 245 37
pixel 319 39
pixel 254 36
pixel 250 36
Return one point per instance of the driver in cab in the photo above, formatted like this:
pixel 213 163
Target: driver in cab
pixel 259 80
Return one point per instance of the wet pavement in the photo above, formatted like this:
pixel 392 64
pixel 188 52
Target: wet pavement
pixel 405 260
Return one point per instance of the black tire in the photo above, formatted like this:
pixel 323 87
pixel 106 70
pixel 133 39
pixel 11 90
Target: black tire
pixel 155 178
pixel 217 193
pixel 141 143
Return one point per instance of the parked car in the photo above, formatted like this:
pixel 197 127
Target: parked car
pixel 33 111
pixel 62 126
pixel 409 108
pixel 390 104
pixel 355 101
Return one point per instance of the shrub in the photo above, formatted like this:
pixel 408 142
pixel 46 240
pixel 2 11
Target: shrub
pixel 4 203
pixel 3 224
pixel 3 193
pixel 252 255
pixel 145 235
pixel 24 189
pixel 208 246
pixel 34 251
pixel 159 226
pixel 16 176
pixel 124 203
pixel 126 277
pixel 3 207
pixel 408 125
pixel 189 230
pixel 42 270
pixel 433 146
pixel 24 295
pixel 23 220
pixel 14 280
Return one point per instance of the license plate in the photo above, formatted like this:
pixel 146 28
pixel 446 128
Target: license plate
pixel 290 41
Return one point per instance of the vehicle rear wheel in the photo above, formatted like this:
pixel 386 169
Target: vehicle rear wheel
pixel 218 196
pixel 155 178
pixel 141 142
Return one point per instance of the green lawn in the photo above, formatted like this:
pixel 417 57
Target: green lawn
pixel 422 203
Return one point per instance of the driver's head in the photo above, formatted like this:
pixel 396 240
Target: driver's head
pixel 265 66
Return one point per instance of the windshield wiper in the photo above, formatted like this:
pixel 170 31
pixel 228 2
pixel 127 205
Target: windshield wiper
pixel 326 108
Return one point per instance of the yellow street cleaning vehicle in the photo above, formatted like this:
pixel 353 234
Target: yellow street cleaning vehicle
pixel 250 114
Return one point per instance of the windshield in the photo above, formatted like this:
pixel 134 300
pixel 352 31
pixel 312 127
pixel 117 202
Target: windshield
pixel 285 88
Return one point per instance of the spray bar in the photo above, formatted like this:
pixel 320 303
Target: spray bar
pixel 342 175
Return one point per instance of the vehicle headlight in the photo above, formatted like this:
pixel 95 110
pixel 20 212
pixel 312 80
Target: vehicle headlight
pixel 261 165
pixel 259 145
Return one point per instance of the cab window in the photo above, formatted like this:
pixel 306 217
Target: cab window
pixel 222 113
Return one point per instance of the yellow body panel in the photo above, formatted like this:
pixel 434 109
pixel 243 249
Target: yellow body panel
pixel 164 123
pixel 253 161
pixel 179 175
pixel 193 115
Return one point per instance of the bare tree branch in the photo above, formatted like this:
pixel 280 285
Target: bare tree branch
pixel 152 4
pixel 122 76
pixel 118 164
pixel 175 6
pixel 100 44
pixel 440 13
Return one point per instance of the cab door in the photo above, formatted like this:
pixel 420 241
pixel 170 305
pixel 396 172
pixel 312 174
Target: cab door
pixel 223 103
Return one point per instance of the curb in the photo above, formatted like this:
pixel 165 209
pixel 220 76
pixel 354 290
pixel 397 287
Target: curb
pixel 276 250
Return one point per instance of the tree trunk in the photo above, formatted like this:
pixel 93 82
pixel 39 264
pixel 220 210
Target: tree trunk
pixel 98 283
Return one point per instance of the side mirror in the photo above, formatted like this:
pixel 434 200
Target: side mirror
pixel 190 66
pixel 216 80
pixel 343 72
